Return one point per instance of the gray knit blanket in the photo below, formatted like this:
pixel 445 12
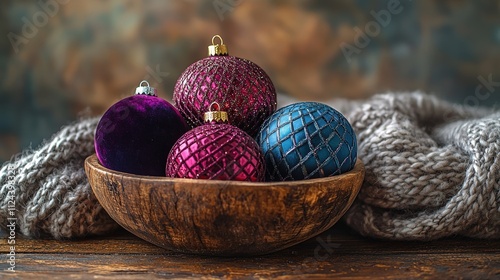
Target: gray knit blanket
pixel 432 170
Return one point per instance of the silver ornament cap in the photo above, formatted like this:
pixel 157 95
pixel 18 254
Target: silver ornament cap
pixel 145 90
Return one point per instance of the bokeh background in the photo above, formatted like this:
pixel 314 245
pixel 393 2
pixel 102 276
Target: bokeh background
pixel 61 59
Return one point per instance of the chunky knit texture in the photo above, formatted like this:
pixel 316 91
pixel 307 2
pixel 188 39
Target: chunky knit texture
pixel 432 170
pixel 52 195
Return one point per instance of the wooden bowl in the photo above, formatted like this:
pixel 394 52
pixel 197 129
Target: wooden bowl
pixel 223 218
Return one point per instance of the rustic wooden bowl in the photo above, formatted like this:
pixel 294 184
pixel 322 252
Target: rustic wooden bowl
pixel 223 218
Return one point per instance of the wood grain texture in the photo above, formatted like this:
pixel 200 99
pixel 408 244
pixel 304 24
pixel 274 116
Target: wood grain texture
pixel 224 218
pixel 336 253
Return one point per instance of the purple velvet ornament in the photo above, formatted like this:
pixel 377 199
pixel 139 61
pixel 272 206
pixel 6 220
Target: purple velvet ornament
pixel 136 134
pixel 240 86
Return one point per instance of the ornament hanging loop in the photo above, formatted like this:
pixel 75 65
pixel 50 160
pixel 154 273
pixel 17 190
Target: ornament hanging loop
pixel 216 115
pixel 145 90
pixel 217 49
pixel 220 39
pixel 214 106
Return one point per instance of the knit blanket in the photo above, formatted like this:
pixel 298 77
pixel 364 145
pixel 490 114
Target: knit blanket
pixel 432 170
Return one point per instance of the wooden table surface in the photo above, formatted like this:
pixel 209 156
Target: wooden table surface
pixel 337 253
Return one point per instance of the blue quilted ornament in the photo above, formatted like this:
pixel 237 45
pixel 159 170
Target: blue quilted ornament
pixel 307 140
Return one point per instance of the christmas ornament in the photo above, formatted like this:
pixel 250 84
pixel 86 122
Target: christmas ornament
pixel 136 133
pixel 216 150
pixel 307 140
pixel 244 90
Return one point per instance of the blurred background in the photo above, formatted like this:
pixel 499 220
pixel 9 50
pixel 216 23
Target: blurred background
pixel 62 59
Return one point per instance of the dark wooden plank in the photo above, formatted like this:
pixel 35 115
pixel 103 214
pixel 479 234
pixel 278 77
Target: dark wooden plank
pixel 338 252
pixel 339 239
pixel 485 266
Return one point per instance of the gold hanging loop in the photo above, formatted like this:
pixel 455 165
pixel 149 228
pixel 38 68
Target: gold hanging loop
pixel 217 49
pixel 215 114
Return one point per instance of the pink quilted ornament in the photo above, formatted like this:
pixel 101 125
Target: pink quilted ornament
pixel 216 150
pixel 244 90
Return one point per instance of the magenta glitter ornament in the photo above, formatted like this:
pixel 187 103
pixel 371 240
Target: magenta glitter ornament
pixel 216 151
pixel 242 88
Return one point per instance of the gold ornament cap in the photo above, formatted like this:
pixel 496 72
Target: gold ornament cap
pixel 217 49
pixel 214 114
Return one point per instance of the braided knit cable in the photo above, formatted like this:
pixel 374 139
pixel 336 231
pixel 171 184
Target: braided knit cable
pixel 52 195
pixel 432 169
